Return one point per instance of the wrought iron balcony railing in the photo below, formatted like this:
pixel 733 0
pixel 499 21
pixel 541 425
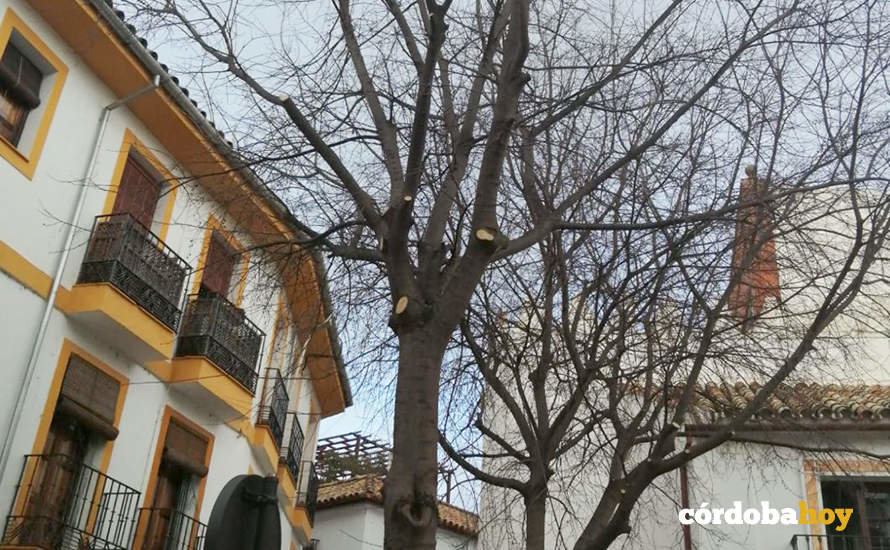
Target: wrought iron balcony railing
pixel 292 451
pixel 126 254
pixel 839 542
pixel 216 329
pixel 307 489
pixel 61 504
pixel 168 529
pixel 273 405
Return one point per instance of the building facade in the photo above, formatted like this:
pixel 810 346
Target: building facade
pixel 156 344
pixel 352 468
pixel 350 517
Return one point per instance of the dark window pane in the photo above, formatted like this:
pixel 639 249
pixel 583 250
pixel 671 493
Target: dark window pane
pixel 20 83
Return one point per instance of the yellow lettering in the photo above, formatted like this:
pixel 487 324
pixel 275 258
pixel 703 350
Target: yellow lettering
pixel 808 516
pixel 843 516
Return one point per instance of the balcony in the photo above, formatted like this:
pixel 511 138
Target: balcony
pixel 216 329
pixel 307 490
pixel 130 288
pixel 292 451
pixel 166 529
pixel 273 406
pixel 839 542
pixel 133 259
pixel 64 505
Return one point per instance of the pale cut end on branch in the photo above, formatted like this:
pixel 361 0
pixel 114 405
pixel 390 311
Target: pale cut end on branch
pixel 408 198
pixel 401 305
pixel 485 234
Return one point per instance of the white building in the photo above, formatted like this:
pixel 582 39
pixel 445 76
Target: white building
pixel 153 348
pixel 820 442
pixel 350 517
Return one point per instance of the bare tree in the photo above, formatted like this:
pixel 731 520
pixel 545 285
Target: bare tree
pixel 431 147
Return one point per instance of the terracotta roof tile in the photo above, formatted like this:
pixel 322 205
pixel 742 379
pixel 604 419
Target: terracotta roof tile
pixel 801 402
pixel 369 488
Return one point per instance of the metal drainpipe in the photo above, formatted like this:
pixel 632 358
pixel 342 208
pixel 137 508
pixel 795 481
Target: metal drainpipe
pixel 684 499
pixel 25 384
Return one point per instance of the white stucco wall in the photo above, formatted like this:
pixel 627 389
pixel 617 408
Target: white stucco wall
pixel 746 472
pixel 359 526
pixel 34 216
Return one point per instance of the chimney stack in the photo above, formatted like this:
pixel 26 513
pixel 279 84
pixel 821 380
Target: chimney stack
pixel 754 264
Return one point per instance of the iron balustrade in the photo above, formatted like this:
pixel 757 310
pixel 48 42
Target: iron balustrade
pixel 216 329
pixel 839 542
pixel 273 405
pixel 169 529
pixel 126 254
pixel 61 504
pixel 292 452
pixel 307 489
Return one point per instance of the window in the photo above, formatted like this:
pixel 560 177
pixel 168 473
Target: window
pixel 31 81
pixel 19 92
pixel 219 266
pixel 175 493
pixel 137 193
pixel 869 527
pixel 62 482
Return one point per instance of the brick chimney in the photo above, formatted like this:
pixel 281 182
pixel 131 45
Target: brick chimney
pixel 759 279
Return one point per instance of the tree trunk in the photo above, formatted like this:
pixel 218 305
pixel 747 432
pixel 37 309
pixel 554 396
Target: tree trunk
pixel 535 518
pixel 410 511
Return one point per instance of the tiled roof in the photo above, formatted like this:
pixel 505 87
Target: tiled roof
pixel 369 488
pixel 799 403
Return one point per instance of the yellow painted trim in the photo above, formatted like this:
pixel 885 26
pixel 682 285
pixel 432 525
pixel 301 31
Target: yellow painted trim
pixel 105 298
pixel 49 406
pixel 26 163
pixel 281 323
pixel 298 517
pixel 211 378
pixel 16 266
pixel 170 414
pixel 130 143
pixel 813 469
pixel 30 276
pixel 214 225
pixel 262 439
pixel 288 483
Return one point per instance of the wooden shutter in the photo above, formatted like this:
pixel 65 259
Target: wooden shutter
pixel 19 92
pixel 137 193
pixel 90 396
pixel 185 449
pixel 20 78
pixel 219 265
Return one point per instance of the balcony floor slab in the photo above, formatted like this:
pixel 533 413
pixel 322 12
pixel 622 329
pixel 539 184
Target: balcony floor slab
pixel 203 381
pixel 118 320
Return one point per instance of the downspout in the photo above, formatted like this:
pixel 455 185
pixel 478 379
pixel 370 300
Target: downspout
pixel 684 500
pixel 25 383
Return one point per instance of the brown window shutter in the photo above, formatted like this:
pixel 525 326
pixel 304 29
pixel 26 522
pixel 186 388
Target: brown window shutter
pixel 219 265
pixel 20 78
pixel 137 193
pixel 90 395
pixel 185 449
